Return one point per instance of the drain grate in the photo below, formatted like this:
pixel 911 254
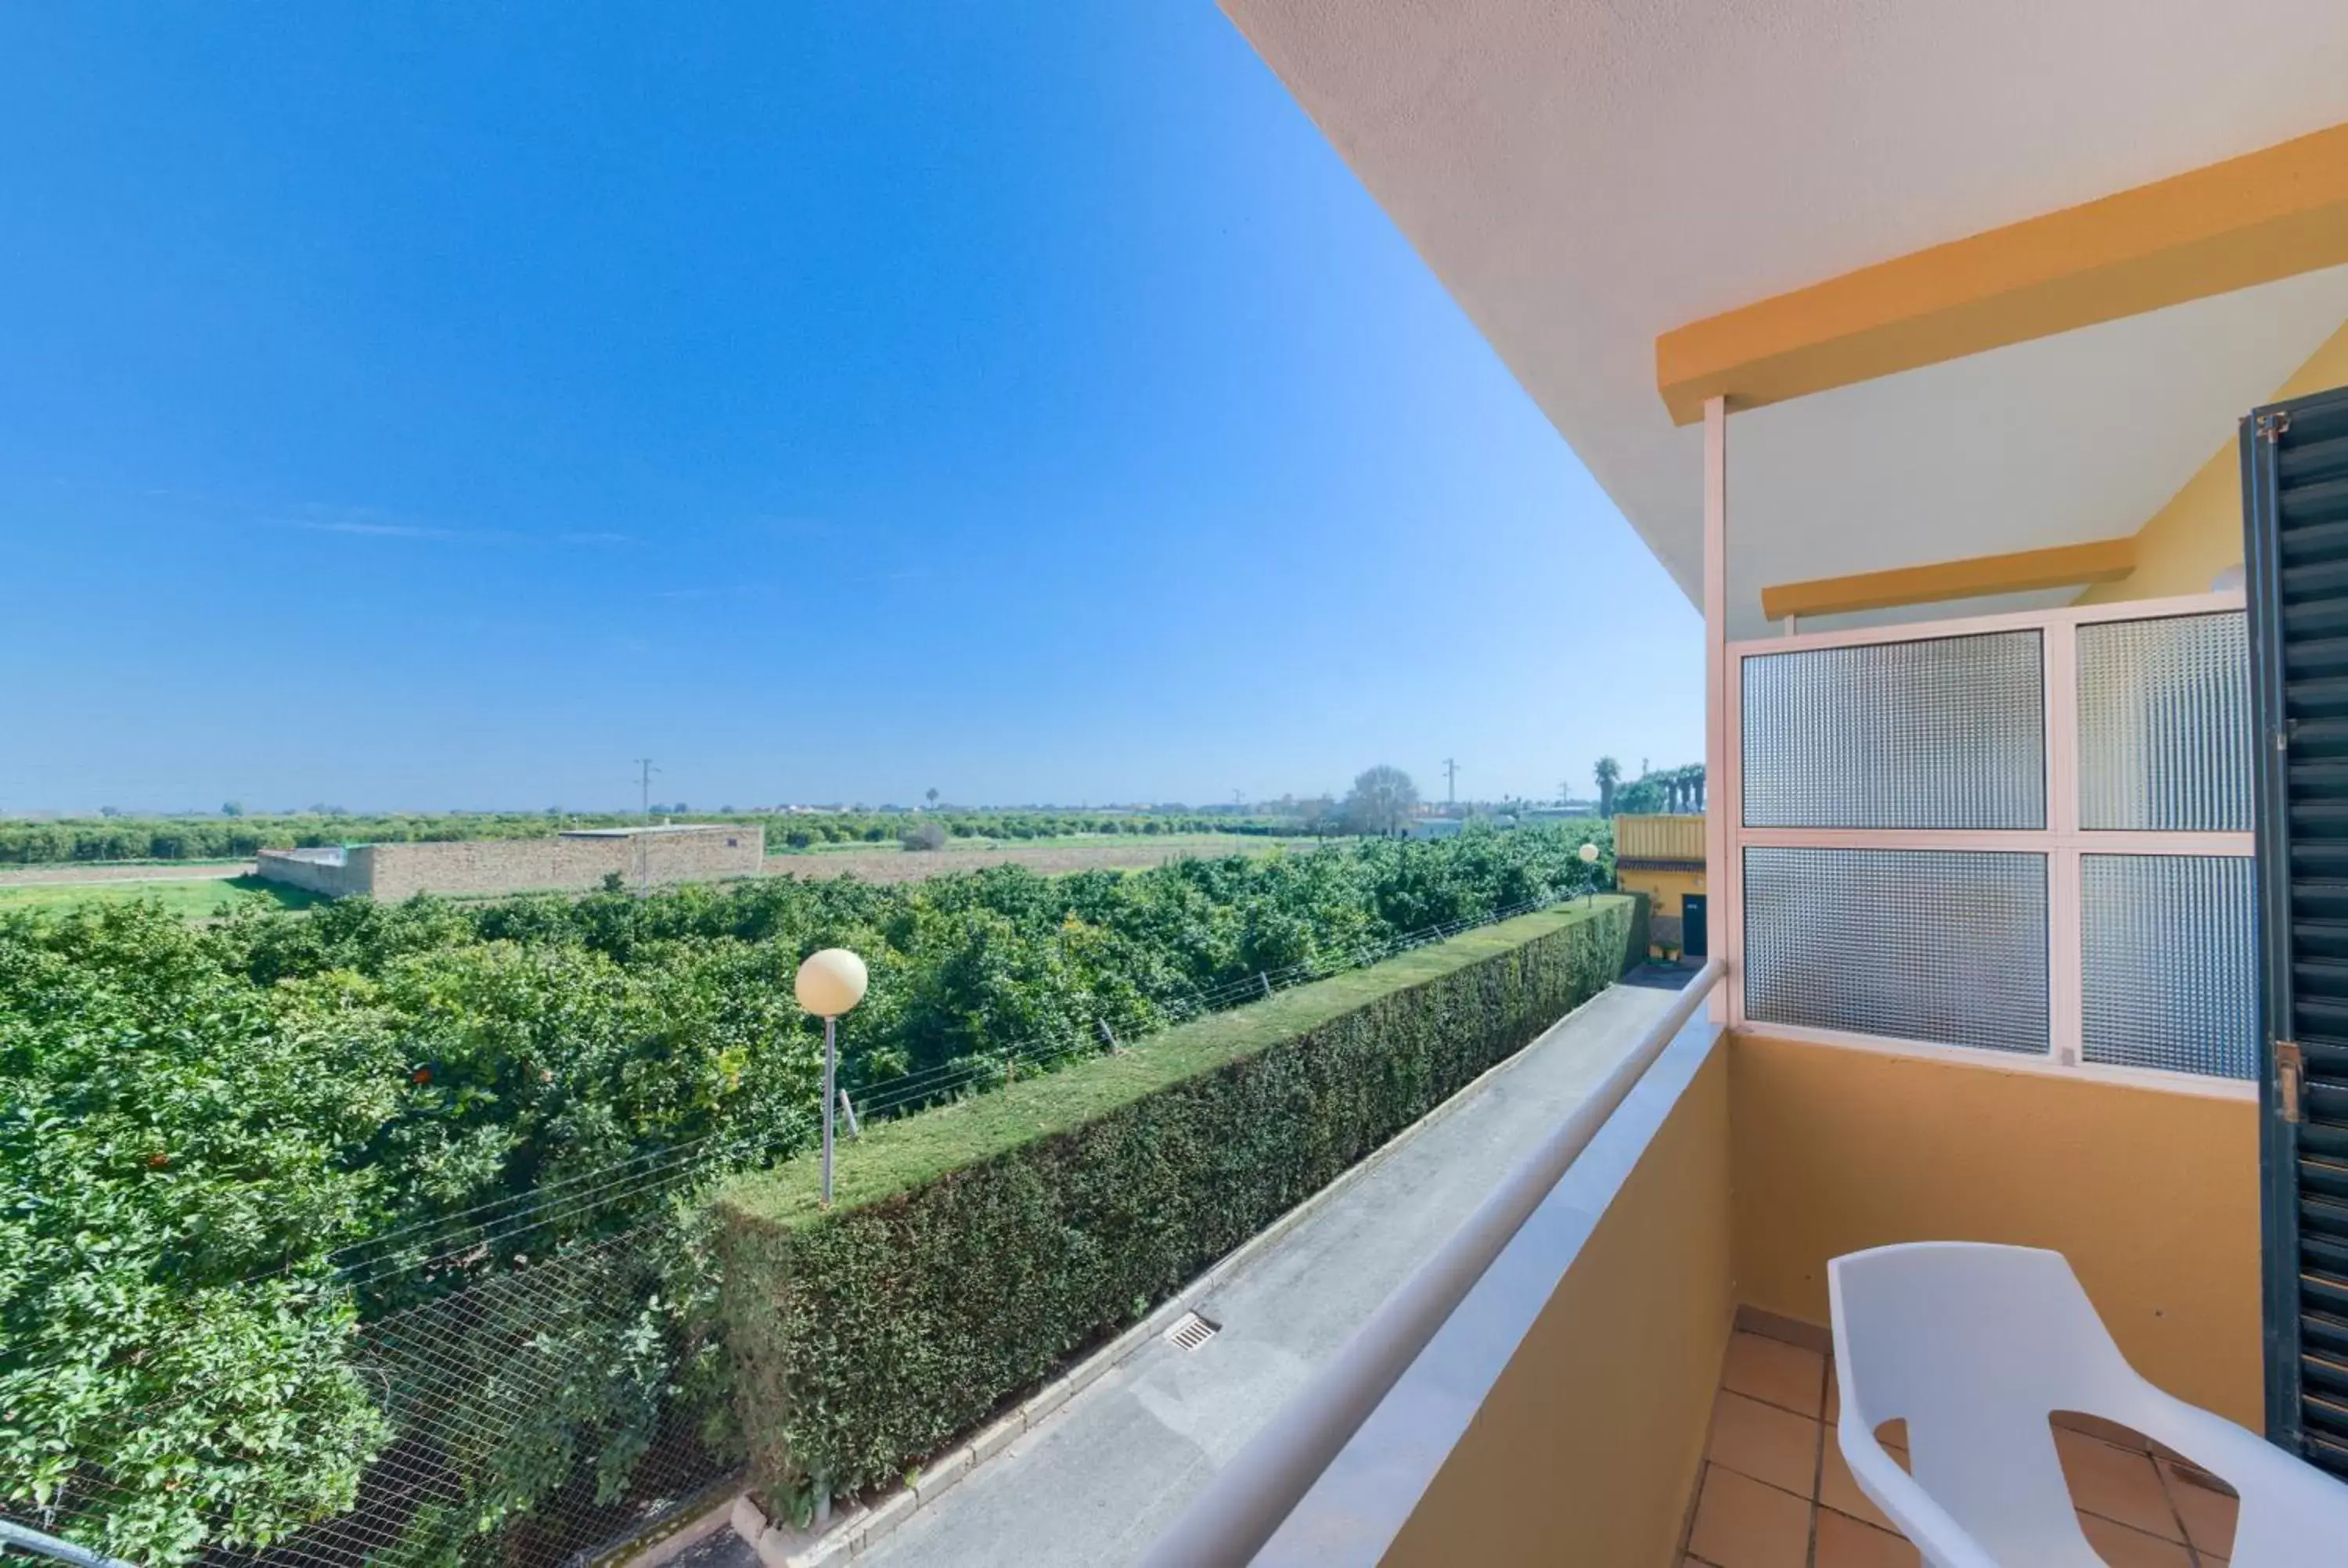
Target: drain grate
pixel 1190 1331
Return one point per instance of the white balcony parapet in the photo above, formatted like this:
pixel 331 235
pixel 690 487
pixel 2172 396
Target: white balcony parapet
pixel 1250 1498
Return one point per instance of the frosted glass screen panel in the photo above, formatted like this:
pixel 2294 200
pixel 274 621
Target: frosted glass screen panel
pixel 2165 728
pixel 2169 958
pixel 1947 732
pixel 1946 945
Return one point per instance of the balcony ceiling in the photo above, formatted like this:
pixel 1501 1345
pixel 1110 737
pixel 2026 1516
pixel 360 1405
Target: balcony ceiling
pixel 1584 177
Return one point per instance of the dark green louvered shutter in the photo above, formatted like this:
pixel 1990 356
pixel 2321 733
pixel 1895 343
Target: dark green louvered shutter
pixel 2295 512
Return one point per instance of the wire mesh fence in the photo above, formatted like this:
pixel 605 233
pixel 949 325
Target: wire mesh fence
pixel 531 1382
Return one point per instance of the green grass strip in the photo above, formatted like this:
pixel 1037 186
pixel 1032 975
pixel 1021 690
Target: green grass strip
pixel 188 898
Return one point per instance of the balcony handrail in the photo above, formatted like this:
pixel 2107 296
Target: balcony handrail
pixel 33 1543
pixel 1249 1498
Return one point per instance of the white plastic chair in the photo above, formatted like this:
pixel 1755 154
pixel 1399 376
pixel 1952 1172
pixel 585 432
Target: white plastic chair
pixel 1974 1346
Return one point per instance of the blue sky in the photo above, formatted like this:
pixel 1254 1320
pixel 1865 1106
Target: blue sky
pixel 440 406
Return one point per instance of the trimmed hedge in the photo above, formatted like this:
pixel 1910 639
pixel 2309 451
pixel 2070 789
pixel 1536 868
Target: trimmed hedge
pixel 977 1248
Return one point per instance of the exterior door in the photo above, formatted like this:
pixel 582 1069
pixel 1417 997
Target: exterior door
pixel 2295 515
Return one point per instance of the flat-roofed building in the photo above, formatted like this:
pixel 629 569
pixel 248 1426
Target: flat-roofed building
pixel 651 855
pixel 1662 856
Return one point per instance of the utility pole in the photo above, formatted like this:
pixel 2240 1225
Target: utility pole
pixel 1450 783
pixel 1564 792
pixel 644 771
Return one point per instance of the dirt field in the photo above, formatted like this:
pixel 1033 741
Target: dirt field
pixel 1123 854
pixel 197 890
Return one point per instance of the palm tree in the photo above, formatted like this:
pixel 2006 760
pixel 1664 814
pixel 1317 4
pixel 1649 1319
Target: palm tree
pixel 1609 774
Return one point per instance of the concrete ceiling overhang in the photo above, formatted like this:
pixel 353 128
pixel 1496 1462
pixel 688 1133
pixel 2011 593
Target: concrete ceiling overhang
pixel 1584 177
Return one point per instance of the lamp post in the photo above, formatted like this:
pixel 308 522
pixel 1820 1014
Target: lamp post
pixel 831 983
pixel 1589 852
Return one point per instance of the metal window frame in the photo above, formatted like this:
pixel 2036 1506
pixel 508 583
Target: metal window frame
pixel 2062 841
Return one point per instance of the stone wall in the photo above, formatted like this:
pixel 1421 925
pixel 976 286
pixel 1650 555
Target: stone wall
pixel 571 862
pixel 324 871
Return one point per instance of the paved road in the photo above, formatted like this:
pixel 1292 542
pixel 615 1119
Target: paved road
pixel 1099 1481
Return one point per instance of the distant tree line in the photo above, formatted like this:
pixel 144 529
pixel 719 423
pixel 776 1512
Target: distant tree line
pixel 1679 789
pixel 236 836
pixel 1382 801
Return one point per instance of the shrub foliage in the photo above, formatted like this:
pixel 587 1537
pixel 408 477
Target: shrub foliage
pixel 867 1337
pixel 201 1128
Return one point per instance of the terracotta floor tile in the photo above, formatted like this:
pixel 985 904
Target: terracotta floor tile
pixel 1764 1442
pixel 1838 1488
pixel 1776 1373
pixel 2209 1514
pixel 1834 1394
pixel 1845 1542
pixel 2115 1484
pixel 2121 1547
pixel 2109 1431
pixel 1743 1523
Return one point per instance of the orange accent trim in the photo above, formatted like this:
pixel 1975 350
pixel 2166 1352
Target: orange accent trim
pixel 2061 566
pixel 2270 214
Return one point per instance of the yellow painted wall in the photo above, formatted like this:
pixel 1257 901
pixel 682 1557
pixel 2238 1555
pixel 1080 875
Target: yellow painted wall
pixel 1664 888
pixel 1586 1451
pixel 2152 1195
pixel 1660 837
pixel 2183 546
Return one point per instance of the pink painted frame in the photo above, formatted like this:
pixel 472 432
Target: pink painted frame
pixel 2063 842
